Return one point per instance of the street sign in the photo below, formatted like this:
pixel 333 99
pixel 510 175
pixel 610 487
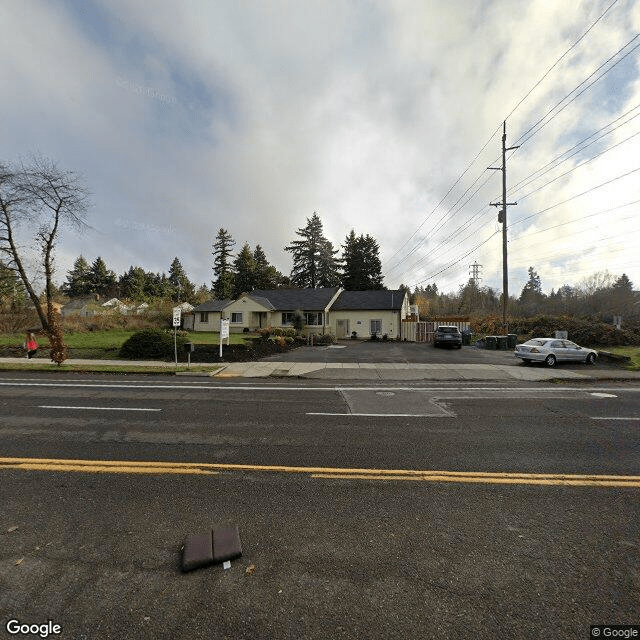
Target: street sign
pixel 176 316
pixel 224 328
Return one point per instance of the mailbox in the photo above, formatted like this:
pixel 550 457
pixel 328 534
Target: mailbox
pixel 189 347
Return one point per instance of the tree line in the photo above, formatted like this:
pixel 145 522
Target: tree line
pixel 315 263
pixel 601 295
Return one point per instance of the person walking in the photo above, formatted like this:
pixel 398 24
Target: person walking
pixel 30 345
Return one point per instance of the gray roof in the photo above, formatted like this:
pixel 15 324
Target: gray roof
pixel 365 300
pixel 293 299
pixel 213 305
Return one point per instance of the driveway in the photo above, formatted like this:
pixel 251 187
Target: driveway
pixel 405 352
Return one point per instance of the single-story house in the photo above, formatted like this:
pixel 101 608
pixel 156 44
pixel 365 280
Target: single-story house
pixel 368 313
pixel 326 310
pixel 207 315
pixel 276 307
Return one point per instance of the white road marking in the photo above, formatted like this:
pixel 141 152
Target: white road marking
pixel 284 387
pixel 613 418
pixel 46 406
pixel 603 395
pixel 385 415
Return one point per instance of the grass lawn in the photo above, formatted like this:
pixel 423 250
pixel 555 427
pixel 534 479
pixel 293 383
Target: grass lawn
pixel 114 338
pixel 632 352
pixel 47 366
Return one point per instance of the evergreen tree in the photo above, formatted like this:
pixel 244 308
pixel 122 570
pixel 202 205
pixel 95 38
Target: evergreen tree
pixel 182 288
pixel 12 291
pixel 78 279
pixel 531 297
pixel 622 295
pixel 134 284
pixel 102 280
pixel 314 263
pixel 223 285
pixel 361 265
pixel 244 267
pixel 202 294
pixel 266 275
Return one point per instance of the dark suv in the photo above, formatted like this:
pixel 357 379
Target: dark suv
pixel 447 335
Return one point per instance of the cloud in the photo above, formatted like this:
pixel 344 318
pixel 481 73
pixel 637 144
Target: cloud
pixel 195 116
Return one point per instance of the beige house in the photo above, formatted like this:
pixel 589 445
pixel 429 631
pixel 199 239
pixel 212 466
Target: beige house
pixel 206 316
pixel 367 313
pixel 326 310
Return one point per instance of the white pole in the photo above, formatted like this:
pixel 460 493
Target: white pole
pixel 175 343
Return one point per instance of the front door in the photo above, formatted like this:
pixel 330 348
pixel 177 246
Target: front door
pixel 342 328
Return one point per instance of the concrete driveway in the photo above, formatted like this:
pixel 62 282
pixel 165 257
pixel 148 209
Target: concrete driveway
pixel 405 353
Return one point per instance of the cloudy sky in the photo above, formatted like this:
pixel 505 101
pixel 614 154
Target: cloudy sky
pixel 382 116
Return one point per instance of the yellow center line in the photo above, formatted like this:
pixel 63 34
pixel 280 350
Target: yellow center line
pixel 204 468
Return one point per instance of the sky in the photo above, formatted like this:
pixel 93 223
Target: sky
pixel 381 116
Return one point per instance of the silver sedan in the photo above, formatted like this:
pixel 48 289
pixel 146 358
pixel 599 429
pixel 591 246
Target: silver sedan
pixel 551 350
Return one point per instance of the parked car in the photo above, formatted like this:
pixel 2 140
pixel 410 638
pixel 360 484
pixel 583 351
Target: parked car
pixel 550 351
pixel 447 335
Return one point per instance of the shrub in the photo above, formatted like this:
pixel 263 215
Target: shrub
pixel 150 343
pixel 327 338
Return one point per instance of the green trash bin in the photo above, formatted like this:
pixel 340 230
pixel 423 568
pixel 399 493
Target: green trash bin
pixel 502 343
pixel 491 342
pixel 512 340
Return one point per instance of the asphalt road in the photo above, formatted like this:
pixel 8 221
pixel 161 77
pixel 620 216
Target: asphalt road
pixel 368 511
pixel 410 352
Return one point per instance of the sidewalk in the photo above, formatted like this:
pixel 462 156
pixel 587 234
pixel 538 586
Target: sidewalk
pixel 381 371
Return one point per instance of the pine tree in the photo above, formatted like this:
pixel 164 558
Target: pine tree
pixel 182 288
pixel 133 284
pixel 361 265
pixel 266 275
pixel 78 279
pixel 223 285
pixel 12 291
pixel 244 268
pixel 314 263
pixel 102 280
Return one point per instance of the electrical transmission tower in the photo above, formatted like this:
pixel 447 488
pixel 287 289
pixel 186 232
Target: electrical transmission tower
pixel 502 217
pixel 475 273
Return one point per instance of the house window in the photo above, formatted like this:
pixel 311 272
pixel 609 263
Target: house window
pixel 287 317
pixel 204 316
pixel 375 326
pixel 236 318
pixel 313 318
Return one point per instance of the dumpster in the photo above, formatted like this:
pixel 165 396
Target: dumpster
pixel 502 342
pixel 512 340
pixel 491 342
pixel 466 336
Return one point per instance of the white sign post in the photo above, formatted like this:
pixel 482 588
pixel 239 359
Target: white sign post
pixel 177 312
pixel 224 333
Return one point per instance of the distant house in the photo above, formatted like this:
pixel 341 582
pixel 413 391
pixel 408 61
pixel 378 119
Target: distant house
pixel 368 313
pixel 325 310
pixel 85 307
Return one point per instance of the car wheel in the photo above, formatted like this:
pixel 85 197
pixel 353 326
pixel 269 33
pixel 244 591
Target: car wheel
pixel 550 360
pixel 459 346
pixel 525 361
pixel 591 358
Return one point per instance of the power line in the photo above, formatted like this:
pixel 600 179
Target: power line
pixel 533 215
pixel 525 140
pixel 593 24
pixel 556 162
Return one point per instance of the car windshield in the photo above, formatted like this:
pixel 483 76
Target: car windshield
pixel 448 329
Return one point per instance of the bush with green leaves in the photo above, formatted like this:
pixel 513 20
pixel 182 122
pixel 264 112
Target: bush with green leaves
pixel 327 338
pixel 151 344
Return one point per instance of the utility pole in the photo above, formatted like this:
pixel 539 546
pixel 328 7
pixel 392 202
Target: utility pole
pixel 502 217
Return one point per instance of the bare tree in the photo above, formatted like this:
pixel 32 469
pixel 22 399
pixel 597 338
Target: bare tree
pixel 44 198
